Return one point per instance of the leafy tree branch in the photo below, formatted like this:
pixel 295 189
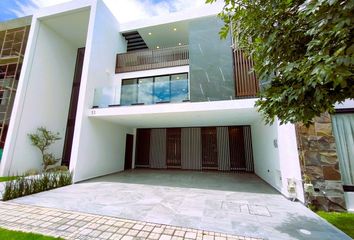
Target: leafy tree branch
pixel 303 53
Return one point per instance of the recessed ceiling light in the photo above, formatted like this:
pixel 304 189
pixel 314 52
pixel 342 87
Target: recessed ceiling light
pixel 157 46
pixel 150 33
pixel 179 44
pixel 175 29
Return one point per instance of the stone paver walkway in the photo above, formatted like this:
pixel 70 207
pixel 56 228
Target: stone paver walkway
pixel 74 225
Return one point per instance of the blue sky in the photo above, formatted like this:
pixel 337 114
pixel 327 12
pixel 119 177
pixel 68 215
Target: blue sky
pixel 8 8
pixel 128 9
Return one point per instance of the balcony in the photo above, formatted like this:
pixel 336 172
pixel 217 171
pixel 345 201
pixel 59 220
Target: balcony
pixel 152 59
pixel 172 88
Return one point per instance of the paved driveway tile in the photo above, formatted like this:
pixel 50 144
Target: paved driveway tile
pixel 239 204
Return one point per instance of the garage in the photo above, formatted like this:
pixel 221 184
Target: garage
pixel 199 148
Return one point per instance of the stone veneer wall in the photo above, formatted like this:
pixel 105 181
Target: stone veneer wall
pixel 318 157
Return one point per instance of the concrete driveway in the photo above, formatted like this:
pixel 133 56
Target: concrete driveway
pixel 240 204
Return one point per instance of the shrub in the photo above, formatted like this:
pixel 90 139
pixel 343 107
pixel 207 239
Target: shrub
pixel 42 139
pixel 58 169
pixel 24 186
pixel 31 172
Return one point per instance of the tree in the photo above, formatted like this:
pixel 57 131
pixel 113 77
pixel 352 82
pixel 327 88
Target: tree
pixel 42 139
pixel 303 53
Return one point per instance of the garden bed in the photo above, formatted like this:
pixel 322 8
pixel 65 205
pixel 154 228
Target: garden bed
pixel 27 185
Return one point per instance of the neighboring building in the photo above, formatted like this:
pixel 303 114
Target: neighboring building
pixel 13 41
pixel 164 92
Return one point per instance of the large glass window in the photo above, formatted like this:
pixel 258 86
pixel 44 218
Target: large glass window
pixel 129 92
pixel 179 87
pixel 145 90
pixel 151 90
pixel 162 89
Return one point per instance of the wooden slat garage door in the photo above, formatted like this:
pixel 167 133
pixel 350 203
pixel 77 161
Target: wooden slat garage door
pixel 215 148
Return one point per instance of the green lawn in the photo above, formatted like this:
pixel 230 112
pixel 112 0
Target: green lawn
pixel 14 235
pixel 4 179
pixel 343 221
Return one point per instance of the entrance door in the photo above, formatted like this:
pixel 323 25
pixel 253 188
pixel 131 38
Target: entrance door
pixel 173 147
pixel 237 149
pixel 73 107
pixel 209 148
pixel 128 152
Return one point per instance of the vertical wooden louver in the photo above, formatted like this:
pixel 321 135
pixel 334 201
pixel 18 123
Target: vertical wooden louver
pixel 223 148
pixel 173 147
pixel 158 148
pixel 246 82
pixel 191 149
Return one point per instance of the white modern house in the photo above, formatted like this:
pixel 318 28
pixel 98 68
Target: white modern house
pixel 159 93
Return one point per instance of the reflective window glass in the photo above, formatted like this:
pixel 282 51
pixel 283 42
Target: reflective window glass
pixel 179 87
pixel 145 90
pixel 129 92
pixel 162 89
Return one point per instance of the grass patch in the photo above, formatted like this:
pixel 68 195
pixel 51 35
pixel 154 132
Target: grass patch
pixel 15 235
pixel 4 179
pixel 343 221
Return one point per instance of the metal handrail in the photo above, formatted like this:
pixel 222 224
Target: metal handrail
pixel 152 59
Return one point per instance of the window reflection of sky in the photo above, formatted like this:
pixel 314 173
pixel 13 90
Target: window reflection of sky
pixel 161 90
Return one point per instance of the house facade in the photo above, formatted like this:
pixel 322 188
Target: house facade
pixel 159 93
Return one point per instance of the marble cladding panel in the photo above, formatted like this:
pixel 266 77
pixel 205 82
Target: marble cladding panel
pixel 319 161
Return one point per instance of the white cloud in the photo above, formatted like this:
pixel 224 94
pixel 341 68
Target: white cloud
pixel 124 10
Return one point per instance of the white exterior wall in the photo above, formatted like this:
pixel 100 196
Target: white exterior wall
pixel 276 156
pixel 265 154
pixel 289 159
pixel 42 99
pixel 98 146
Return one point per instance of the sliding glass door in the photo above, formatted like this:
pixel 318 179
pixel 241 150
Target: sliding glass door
pixel 162 91
pixel 151 90
pixel 145 91
pixel 129 92
pixel 179 87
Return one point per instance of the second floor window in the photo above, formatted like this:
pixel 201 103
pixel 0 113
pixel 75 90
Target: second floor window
pixel 152 90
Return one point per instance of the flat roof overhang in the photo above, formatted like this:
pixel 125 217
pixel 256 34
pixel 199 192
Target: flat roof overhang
pixel 217 113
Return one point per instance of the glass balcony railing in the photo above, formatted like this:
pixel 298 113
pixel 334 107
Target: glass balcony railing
pixel 152 59
pixel 144 91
